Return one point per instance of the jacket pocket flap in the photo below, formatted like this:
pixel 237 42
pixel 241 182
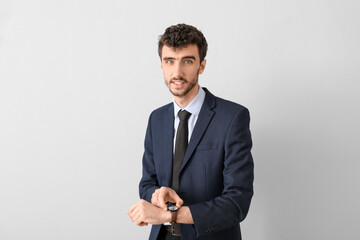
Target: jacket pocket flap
pixel 206 146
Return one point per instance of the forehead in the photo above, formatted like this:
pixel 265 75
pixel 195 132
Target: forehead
pixel 190 50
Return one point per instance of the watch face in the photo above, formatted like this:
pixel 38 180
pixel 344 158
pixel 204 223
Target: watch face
pixel 173 208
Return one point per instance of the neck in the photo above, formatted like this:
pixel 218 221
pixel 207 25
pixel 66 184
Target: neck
pixel 183 101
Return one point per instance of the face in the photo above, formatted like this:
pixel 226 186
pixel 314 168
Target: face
pixel 181 68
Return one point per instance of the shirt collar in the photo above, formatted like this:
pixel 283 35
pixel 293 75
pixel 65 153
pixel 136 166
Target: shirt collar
pixel 195 105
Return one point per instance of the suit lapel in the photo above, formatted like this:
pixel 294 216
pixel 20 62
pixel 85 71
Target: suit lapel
pixel 205 116
pixel 168 142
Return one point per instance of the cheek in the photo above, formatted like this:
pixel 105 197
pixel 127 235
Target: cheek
pixel 194 72
pixel 165 74
pixel 166 71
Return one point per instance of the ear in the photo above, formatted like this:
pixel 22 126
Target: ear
pixel 202 66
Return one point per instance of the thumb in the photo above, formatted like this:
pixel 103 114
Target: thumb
pixel 175 198
pixel 179 202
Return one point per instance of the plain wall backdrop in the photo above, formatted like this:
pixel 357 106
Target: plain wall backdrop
pixel 78 80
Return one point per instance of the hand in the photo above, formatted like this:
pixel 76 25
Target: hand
pixel 143 213
pixel 163 195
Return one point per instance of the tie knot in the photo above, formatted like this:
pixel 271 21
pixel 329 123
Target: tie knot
pixel 184 115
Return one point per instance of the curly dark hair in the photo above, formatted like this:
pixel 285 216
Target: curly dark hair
pixel 182 35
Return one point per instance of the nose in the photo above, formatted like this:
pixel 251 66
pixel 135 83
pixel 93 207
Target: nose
pixel 178 71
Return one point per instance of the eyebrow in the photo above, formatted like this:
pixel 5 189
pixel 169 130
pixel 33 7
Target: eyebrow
pixel 191 57
pixel 185 57
pixel 168 58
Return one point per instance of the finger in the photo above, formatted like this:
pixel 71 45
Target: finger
pixel 179 202
pixel 132 217
pixel 155 194
pixel 156 203
pixel 137 218
pixel 161 200
pixel 174 197
pixel 136 206
pixel 154 199
pixel 138 222
pixel 132 208
pixel 135 214
pixel 142 224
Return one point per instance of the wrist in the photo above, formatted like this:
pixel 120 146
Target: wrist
pixel 166 216
pixel 184 215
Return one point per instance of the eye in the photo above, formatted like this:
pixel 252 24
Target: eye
pixel 169 61
pixel 188 61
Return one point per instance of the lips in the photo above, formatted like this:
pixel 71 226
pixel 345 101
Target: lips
pixel 178 82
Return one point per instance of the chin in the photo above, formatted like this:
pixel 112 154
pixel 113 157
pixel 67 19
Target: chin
pixel 178 93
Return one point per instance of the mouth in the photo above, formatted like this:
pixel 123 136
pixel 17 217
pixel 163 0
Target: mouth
pixel 178 83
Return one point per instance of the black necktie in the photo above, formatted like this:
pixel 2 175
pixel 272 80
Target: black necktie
pixel 181 144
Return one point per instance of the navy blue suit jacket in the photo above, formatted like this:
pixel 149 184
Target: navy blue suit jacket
pixel 216 178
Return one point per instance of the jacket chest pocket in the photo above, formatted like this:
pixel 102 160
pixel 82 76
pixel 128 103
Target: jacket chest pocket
pixel 207 146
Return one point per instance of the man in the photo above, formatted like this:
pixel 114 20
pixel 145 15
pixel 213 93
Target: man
pixel 197 165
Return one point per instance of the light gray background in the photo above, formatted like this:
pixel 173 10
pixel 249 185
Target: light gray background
pixel 78 80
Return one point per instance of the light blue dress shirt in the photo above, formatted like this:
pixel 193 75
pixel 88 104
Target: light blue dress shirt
pixel 193 108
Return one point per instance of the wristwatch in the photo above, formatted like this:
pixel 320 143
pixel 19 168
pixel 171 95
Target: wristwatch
pixel 174 210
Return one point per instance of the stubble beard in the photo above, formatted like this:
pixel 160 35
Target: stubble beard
pixel 186 90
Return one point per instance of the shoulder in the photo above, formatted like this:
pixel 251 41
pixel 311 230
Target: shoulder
pixel 223 106
pixel 229 105
pixel 160 112
pixel 231 112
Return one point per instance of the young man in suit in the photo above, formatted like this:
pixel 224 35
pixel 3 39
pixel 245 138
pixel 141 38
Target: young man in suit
pixel 198 177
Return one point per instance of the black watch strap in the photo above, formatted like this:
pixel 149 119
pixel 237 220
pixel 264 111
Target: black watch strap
pixel 173 216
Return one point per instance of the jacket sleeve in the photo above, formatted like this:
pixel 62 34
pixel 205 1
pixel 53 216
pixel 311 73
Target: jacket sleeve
pixel 148 183
pixel 232 206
